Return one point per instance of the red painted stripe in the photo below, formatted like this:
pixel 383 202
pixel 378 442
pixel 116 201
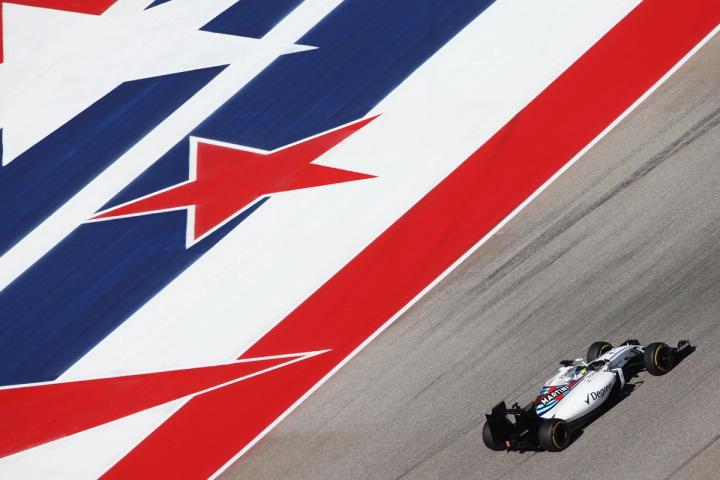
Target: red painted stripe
pixel 93 7
pixel 36 414
pixel 430 237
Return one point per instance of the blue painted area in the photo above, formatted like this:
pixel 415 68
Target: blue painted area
pixel 252 18
pixel 171 169
pixel 42 179
pixel 365 50
pixel 102 273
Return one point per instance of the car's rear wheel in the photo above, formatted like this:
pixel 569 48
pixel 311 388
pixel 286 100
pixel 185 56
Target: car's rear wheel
pixel 553 435
pixel 490 440
pixel 597 349
pixel 658 358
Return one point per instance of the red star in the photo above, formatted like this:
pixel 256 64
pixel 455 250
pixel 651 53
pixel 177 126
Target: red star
pixel 227 179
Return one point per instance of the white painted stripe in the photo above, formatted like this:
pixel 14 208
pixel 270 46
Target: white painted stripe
pixel 178 125
pixel 291 356
pixel 282 253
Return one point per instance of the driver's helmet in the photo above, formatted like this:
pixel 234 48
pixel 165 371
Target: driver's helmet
pixel 580 367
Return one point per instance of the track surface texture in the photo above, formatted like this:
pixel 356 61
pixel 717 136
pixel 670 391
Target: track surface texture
pixel 625 244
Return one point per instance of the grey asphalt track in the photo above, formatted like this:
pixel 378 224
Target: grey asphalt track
pixel 625 244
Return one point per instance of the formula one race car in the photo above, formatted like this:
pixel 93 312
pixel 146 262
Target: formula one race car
pixel 579 392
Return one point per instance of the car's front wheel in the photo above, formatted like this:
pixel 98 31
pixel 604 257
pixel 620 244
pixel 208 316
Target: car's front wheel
pixel 553 435
pixel 658 358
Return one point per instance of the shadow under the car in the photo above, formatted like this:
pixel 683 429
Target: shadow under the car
pixel 631 373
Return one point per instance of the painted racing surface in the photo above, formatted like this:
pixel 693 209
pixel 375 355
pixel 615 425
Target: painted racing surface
pixel 211 206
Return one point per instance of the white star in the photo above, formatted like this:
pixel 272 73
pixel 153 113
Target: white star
pixel 59 63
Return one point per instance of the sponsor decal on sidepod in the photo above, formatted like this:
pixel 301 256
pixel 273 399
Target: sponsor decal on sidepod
pixel 592 396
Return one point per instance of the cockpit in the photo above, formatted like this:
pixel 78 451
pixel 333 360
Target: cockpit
pixel 572 370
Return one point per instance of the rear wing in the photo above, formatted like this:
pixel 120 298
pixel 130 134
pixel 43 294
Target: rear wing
pixel 521 431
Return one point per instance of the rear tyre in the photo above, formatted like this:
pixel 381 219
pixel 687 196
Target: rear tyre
pixel 597 349
pixel 658 359
pixel 491 442
pixel 553 435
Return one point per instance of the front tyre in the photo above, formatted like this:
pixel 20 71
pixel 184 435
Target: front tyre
pixel 597 349
pixel 553 435
pixel 490 440
pixel 658 359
